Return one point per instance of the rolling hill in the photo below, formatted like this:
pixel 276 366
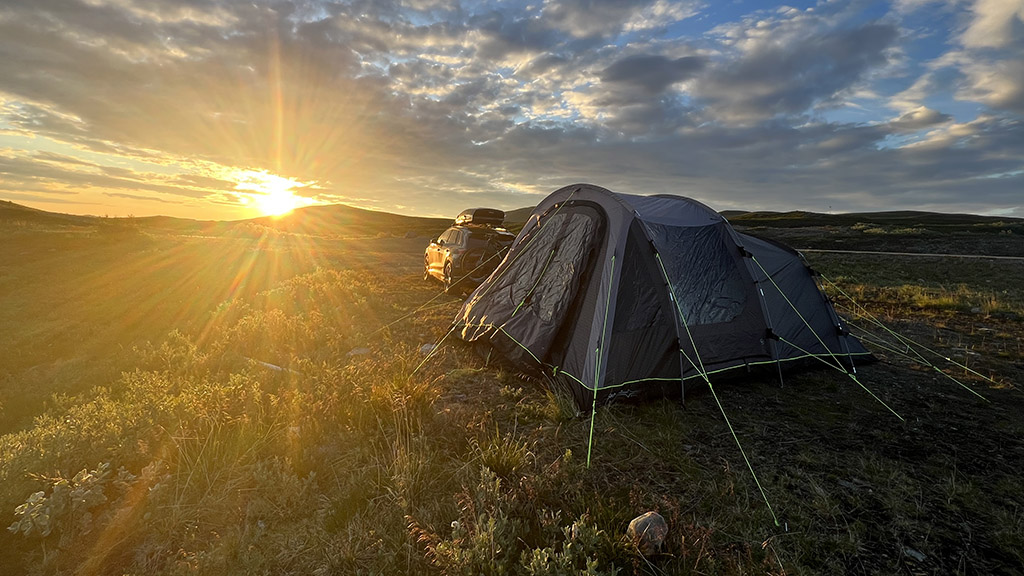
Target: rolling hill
pixel 348 221
pixel 800 219
pixel 329 220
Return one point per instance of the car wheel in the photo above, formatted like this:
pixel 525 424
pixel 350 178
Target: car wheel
pixel 426 269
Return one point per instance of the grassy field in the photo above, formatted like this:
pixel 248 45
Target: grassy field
pixel 242 401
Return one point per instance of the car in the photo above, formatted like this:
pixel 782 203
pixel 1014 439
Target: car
pixel 466 253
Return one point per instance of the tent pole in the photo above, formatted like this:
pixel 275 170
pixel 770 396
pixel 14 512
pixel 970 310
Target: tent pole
pixel 778 362
pixel 772 338
pixel 682 374
pixel 597 354
pixel 593 416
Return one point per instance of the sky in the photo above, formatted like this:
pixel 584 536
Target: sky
pixel 219 110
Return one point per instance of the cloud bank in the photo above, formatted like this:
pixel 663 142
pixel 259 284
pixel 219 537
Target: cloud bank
pixel 430 106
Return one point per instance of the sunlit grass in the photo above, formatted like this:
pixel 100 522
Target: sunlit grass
pixel 254 442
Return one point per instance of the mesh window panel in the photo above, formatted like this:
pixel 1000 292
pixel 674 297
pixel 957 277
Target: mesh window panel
pixel 707 283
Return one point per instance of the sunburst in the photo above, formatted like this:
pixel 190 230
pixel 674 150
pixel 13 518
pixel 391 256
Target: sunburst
pixel 271 194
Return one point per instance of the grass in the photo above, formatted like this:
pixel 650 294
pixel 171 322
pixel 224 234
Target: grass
pixel 204 401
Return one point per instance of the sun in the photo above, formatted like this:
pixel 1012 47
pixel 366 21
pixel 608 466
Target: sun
pixel 277 202
pixel 270 194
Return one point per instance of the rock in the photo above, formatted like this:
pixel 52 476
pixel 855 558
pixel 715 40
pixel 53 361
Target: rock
pixel 647 532
pixel 976 310
pixel 358 351
pixel 426 349
pixel 914 554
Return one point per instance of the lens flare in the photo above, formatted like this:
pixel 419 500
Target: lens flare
pixel 271 194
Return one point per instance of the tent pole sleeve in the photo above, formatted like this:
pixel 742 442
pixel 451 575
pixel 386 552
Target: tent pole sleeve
pixel 676 318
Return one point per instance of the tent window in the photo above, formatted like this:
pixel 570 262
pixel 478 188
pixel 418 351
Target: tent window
pixel 702 267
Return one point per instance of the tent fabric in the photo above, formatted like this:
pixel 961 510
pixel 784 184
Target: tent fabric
pixel 622 293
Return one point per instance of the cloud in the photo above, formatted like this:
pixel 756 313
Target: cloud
pixel 436 104
pixel 139 197
pixel 998 84
pixel 996 24
pixel 918 119
pixel 985 63
pixel 792 65
pixel 51 173
pixel 652 73
pixel 662 14
pixel 590 18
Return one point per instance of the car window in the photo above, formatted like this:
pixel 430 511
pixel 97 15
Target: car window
pixel 478 240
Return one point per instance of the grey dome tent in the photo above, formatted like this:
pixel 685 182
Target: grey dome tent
pixel 618 293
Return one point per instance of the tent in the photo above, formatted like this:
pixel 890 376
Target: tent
pixel 621 294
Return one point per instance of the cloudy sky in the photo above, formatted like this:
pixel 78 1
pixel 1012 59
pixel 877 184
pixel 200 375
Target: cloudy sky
pixel 221 110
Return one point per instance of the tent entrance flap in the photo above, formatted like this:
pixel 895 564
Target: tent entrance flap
pixel 644 344
pixel 522 306
pixel 714 293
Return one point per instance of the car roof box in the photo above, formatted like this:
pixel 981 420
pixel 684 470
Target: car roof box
pixel 490 216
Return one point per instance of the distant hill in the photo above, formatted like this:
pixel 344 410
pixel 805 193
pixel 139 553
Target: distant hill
pixel 801 219
pixel 342 220
pixel 11 212
pixel 331 220
pixel 347 220
pixel 518 217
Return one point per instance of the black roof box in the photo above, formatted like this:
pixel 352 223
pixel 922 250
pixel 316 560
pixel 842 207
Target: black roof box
pixel 490 216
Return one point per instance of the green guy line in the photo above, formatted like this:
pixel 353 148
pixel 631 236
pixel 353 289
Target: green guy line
pixel 906 339
pixel 597 369
pixel 850 374
pixel 875 340
pixel 711 387
pixel 799 315
pixel 434 350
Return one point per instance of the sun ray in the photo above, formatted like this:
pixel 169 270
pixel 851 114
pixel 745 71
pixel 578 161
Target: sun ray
pixel 270 194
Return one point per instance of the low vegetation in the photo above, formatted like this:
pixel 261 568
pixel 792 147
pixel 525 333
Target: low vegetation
pixel 260 405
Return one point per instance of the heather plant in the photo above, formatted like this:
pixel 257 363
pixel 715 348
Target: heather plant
pixel 71 511
pixel 488 538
